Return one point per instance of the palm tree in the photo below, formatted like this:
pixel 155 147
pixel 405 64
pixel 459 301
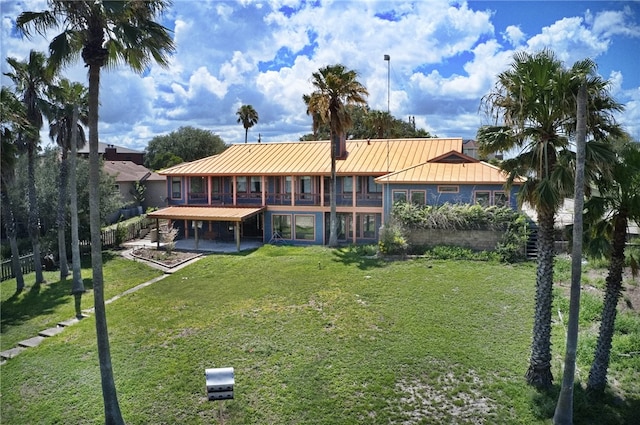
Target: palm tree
pixel 104 33
pixel 31 79
pixel 70 100
pixel 248 117
pixel 13 121
pixel 609 213
pixel 536 102
pixel 335 89
pixel 564 408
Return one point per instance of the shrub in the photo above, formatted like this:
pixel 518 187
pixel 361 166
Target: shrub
pixel 392 239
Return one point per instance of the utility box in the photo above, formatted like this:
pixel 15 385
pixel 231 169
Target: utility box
pixel 219 383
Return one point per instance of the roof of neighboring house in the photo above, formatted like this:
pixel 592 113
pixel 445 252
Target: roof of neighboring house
pixel 127 171
pixel 366 157
pixel 103 146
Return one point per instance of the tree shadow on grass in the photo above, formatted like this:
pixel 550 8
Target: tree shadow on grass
pixel 588 409
pixel 355 256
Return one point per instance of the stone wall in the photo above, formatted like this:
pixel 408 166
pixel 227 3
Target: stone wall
pixel 477 240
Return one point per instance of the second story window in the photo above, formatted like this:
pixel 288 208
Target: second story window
pixel 372 186
pixel 241 184
pixel 256 185
pixel 176 188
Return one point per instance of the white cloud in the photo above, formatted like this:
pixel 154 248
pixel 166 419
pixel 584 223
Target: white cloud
pixel 513 35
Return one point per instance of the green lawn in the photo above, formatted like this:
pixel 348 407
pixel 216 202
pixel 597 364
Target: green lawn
pixel 316 336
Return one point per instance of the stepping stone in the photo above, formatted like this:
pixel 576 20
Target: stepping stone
pixel 70 322
pixel 31 342
pixel 51 331
pixel 9 354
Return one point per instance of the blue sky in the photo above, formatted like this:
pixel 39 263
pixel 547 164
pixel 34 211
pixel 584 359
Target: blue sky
pixel 444 58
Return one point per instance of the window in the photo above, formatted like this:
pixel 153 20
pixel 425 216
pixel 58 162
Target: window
pixel 282 226
pixel 500 199
pixel 215 188
pixel 287 184
pixel 483 198
pixel 241 184
pixel 448 189
pixel 256 184
pixel 198 184
pixel 372 186
pixel 418 197
pixel 176 187
pixel 347 184
pixel 305 227
pixel 305 184
pixel 399 196
pixel 369 226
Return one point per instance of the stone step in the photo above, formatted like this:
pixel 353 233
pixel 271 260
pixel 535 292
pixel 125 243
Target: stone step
pixel 9 354
pixel 51 331
pixel 31 342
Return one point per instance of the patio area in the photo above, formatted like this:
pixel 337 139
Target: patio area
pixel 204 245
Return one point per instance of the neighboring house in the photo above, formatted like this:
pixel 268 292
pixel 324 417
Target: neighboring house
pixel 114 153
pixel 128 173
pixel 280 191
pixel 470 148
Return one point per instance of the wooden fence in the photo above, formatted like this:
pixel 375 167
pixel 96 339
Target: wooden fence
pixel 111 238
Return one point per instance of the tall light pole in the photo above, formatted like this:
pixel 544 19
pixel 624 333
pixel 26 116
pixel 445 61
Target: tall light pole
pixel 388 59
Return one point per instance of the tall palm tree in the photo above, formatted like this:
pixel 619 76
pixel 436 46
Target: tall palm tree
pixel 71 110
pixel 564 407
pixel 609 213
pixel 31 78
pixel 104 33
pixel 535 103
pixel 248 117
pixel 335 89
pixel 13 121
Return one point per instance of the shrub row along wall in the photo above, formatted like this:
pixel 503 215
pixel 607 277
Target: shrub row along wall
pixel 477 240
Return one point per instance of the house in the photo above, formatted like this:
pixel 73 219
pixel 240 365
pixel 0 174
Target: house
pixel 280 191
pixel 128 173
pixel 110 152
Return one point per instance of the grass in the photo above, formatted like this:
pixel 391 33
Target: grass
pixel 39 307
pixel 316 336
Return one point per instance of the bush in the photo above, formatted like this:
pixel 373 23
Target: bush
pixel 392 239
pixel 511 247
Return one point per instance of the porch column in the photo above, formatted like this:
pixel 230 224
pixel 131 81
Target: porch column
pixel 293 190
pixel 157 233
pixel 208 190
pixel 322 191
pixel 236 230
pixel 234 187
pixel 354 185
pixel 354 226
pixel 264 192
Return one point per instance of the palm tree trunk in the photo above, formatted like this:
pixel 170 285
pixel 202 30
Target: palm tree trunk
pixel 10 227
pixel 62 219
pixel 539 373
pixel 246 134
pixel 109 395
pixel 564 408
pixel 598 373
pixel 34 227
pixel 77 286
pixel 333 218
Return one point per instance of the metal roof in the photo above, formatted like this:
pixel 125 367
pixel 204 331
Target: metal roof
pixel 205 213
pixel 447 173
pixel 366 157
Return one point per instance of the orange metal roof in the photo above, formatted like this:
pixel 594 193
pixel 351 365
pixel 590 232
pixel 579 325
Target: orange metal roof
pixel 313 158
pixel 433 172
pixel 205 213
